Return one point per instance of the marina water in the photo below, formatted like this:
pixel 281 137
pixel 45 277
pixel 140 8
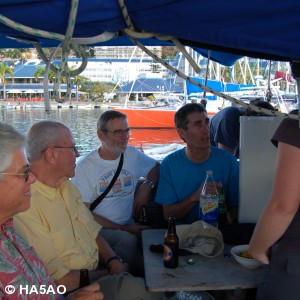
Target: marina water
pixel 83 124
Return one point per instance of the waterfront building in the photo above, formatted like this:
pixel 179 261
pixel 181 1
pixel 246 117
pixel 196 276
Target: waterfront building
pixel 113 70
pixel 125 52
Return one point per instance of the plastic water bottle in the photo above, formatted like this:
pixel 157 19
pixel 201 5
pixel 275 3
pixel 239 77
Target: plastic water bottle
pixel 209 201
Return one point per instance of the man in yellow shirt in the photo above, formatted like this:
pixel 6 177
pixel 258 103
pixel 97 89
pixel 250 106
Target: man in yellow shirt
pixel 22 274
pixel 60 226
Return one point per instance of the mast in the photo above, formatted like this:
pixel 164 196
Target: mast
pixel 133 82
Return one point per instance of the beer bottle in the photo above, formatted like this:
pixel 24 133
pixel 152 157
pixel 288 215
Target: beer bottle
pixel 84 278
pixel 171 245
pixel 143 220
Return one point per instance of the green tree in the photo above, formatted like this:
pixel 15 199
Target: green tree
pixel 5 69
pixel 168 52
pixel 99 88
pixel 82 84
pixel 40 71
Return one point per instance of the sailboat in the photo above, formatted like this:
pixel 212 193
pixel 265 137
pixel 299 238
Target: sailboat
pixel 155 26
pixel 154 101
pixel 162 98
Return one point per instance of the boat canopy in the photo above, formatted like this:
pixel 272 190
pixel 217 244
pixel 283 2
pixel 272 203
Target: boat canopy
pixel 230 29
pixel 219 86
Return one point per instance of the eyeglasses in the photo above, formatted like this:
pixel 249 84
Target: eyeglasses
pixel 72 148
pixel 25 174
pixel 119 133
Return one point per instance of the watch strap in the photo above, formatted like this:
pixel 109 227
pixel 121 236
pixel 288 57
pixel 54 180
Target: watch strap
pixel 116 257
pixel 150 184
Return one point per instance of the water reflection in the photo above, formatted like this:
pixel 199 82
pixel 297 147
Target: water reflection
pixel 83 123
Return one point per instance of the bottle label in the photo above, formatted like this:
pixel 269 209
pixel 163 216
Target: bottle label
pixel 209 211
pixel 170 255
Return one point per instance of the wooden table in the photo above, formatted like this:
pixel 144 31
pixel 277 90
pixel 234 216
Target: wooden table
pixel 219 273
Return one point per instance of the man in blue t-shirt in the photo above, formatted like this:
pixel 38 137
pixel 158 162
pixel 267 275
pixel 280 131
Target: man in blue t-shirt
pixel 183 172
pixel 225 129
pixel 225 125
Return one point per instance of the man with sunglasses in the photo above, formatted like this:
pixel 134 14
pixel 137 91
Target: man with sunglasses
pixel 61 227
pixel 94 173
pixel 21 270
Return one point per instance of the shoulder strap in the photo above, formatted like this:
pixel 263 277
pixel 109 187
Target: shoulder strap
pixel 96 202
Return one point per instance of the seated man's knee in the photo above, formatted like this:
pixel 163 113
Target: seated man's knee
pixel 126 287
pixel 127 237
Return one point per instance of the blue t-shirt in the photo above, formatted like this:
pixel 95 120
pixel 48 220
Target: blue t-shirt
pixel 180 177
pixel 225 128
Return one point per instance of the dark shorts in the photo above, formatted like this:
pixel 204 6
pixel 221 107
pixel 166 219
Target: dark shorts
pixel 281 278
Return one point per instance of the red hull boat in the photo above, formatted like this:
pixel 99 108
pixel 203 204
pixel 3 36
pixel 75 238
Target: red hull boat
pixel 150 117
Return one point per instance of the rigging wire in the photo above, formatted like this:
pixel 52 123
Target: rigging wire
pixel 69 42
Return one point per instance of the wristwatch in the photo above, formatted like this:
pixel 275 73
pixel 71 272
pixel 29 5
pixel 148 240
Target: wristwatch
pixel 116 257
pixel 150 184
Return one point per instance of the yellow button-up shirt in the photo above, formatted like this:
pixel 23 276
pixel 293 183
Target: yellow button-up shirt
pixel 60 228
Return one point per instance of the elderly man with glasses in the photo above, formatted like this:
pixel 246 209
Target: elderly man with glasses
pixel 60 226
pixel 22 273
pixel 94 174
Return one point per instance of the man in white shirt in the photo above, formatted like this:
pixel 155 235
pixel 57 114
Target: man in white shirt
pixel 94 173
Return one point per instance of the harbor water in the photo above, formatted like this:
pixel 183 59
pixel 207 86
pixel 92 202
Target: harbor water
pixel 83 124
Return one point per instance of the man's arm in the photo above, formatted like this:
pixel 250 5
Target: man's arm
pixel 71 279
pixel 181 209
pixel 38 236
pixel 222 146
pixel 115 266
pixel 143 194
pixel 105 223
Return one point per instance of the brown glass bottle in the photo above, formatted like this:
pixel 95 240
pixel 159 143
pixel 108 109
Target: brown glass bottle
pixel 143 220
pixel 84 278
pixel 171 245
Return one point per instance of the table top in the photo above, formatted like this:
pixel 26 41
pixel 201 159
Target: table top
pixel 219 273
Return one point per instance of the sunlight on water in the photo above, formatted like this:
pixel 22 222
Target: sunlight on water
pixel 83 124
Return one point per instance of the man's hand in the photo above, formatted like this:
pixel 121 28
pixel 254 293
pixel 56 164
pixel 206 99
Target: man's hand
pixel 135 228
pixel 90 292
pixel 117 267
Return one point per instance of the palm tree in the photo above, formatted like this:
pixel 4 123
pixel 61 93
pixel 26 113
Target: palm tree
pixel 39 73
pixel 5 69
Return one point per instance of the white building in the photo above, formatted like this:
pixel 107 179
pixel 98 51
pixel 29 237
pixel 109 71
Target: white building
pixel 125 52
pixel 118 70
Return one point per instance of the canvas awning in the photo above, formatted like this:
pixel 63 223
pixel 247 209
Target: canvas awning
pixel 14 92
pixel 231 29
pixel 30 92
